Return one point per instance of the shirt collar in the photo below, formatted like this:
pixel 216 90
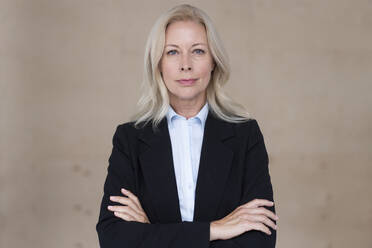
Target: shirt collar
pixel 201 116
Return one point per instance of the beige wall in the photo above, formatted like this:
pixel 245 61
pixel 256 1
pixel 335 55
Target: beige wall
pixel 70 73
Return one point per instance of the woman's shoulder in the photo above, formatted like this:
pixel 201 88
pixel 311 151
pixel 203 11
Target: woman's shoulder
pixel 126 125
pixel 249 129
pixel 249 125
pixel 130 131
pixel 127 129
pixel 126 136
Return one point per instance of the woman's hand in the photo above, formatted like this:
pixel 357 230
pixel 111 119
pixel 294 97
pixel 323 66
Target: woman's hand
pixel 247 217
pixel 132 211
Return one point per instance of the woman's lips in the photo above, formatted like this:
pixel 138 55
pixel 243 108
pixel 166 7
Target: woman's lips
pixel 186 81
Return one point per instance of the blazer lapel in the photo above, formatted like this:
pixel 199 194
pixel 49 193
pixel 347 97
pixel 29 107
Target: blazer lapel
pixel 157 166
pixel 214 167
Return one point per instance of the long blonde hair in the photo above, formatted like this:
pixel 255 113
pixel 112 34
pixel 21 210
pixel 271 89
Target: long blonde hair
pixel 154 102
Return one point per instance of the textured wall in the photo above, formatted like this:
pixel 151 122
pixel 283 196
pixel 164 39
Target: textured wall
pixel 70 73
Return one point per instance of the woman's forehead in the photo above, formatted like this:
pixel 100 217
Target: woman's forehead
pixel 185 32
pixel 185 28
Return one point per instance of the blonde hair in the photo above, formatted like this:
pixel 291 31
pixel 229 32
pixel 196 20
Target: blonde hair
pixel 154 102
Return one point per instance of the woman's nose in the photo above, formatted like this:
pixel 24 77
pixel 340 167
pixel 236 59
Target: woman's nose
pixel 186 68
pixel 185 63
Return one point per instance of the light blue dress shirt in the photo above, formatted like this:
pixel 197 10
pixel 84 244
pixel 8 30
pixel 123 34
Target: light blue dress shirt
pixel 186 137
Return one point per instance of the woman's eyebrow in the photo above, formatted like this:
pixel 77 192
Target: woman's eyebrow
pixel 191 46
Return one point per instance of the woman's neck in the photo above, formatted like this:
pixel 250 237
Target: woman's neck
pixel 187 108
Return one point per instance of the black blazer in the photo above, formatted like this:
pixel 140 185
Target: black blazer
pixel 233 170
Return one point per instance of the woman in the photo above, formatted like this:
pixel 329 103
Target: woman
pixel 191 169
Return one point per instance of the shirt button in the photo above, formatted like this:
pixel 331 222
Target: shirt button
pixel 190 186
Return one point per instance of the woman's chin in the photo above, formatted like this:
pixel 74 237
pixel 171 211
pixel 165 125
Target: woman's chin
pixel 187 97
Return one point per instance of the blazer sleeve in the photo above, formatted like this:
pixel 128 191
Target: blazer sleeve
pixel 257 185
pixel 114 232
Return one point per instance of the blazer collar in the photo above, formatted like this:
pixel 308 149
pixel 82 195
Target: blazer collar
pixel 157 166
pixel 218 127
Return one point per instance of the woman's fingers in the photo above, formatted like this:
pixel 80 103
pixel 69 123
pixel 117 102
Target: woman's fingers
pixel 254 207
pixel 132 196
pixel 259 227
pixel 246 217
pixel 258 202
pixel 124 216
pixel 266 212
pixel 254 212
pixel 125 201
pixel 260 210
pixel 260 218
pixel 132 207
pixel 129 211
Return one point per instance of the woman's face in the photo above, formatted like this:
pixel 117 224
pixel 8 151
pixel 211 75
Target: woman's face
pixel 186 56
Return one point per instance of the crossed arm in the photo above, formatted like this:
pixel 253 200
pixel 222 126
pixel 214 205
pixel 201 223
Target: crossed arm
pixel 127 225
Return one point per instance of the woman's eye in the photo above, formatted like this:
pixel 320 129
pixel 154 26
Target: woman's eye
pixel 199 51
pixel 171 52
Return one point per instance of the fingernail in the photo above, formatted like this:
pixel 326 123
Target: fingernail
pixel 109 207
pixel 111 198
